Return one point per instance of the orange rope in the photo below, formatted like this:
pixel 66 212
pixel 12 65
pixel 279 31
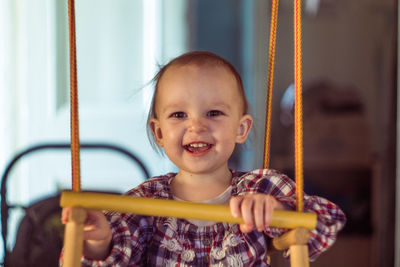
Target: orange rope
pixel 271 62
pixel 298 105
pixel 75 157
pixel 298 96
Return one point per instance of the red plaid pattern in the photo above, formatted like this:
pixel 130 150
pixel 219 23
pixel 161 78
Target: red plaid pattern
pixel 157 241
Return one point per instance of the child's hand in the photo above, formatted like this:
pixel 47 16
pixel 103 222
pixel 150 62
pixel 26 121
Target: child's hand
pixel 256 210
pixel 96 233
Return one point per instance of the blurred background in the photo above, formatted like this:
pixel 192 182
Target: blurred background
pixel 350 101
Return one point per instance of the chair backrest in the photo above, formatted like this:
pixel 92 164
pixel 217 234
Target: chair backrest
pixel 40 233
pixel 40 236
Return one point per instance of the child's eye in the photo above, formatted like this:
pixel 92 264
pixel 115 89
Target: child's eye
pixel 213 113
pixel 178 115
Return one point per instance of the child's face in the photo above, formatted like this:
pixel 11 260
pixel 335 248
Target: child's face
pixel 199 117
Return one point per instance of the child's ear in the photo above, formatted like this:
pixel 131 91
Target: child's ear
pixel 156 130
pixel 246 122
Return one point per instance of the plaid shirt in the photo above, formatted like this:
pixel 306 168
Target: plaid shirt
pixel 157 241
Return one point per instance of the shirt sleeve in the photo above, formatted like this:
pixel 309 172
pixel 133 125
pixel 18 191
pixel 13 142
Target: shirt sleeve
pixel 330 218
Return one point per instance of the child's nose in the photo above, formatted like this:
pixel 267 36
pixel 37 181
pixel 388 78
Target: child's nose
pixel 197 125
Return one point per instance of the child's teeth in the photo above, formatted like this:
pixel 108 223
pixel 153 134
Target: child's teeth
pixel 197 145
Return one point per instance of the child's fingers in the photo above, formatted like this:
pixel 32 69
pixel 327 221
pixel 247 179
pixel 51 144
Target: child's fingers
pixel 91 233
pixel 234 205
pixel 269 206
pixel 64 215
pixel 96 226
pixel 259 212
pixel 255 209
pixel 245 228
pixel 247 213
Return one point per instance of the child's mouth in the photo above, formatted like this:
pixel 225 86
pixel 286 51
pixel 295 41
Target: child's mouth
pixel 196 148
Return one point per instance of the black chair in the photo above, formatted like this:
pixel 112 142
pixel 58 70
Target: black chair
pixel 39 213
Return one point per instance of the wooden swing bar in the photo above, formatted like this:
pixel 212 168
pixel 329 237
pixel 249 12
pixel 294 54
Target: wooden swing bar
pixel 178 209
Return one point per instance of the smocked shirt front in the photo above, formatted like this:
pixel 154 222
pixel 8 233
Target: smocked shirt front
pixel 158 241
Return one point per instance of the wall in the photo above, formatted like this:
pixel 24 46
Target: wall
pixel 351 47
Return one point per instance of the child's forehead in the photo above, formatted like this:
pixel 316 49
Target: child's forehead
pixel 193 77
pixel 193 68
